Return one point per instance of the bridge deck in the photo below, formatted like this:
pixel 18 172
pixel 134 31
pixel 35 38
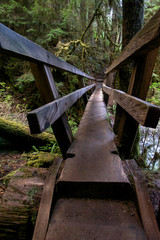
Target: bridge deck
pixel 96 163
pixel 84 209
pixel 94 219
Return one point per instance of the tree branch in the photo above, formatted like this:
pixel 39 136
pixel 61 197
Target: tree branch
pixel 92 19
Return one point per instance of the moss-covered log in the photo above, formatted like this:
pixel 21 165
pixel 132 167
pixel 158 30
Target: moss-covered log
pixel 17 135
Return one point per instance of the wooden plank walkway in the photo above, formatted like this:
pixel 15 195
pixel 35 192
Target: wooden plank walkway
pixel 96 164
pixel 92 186
pixel 92 219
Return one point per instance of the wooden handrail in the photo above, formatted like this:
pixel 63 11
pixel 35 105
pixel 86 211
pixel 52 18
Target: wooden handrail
pixel 143 112
pixel 41 118
pixel 148 38
pixel 13 44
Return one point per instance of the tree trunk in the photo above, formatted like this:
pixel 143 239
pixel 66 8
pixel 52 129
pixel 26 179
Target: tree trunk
pixel 83 14
pixel 132 19
pixel 132 23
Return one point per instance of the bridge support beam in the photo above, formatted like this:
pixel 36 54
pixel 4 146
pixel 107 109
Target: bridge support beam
pixel 138 87
pixel 81 85
pixel 46 85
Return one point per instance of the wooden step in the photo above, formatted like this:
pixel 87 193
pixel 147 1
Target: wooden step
pixel 88 219
pixel 96 169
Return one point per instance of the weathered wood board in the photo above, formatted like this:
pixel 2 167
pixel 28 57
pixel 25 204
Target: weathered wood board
pixel 146 209
pixel 94 219
pixel 95 170
pixel 142 74
pixel 15 45
pixel 148 38
pixel 41 118
pixel 143 112
pixel 46 203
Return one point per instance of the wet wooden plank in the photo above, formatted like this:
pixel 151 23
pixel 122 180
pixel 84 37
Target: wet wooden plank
pixel 146 209
pixel 46 202
pixel 95 219
pixel 15 45
pixel 41 118
pixel 143 112
pixel 96 169
pixel 148 38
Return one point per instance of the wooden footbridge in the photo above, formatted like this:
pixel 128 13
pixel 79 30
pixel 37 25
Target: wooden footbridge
pixel 91 197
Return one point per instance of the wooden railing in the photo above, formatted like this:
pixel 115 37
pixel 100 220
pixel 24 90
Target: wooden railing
pixel 43 117
pixel 143 112
pixel 53 113
pixel 142 51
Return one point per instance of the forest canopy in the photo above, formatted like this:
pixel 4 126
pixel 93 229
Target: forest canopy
pixel 75 29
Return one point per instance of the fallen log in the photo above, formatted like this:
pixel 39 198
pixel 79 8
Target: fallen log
pixel 16 135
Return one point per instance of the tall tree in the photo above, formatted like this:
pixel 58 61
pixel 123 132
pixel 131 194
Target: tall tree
pixel 133 11
pixel 83 15
pixel 132 23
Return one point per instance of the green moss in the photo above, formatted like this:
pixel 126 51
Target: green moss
pixel 31 194
pixel 20 135
pixel 27 172
pixel 40 159
pixel 8 177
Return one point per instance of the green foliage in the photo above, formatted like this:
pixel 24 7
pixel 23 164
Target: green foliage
pixel 154 89
pixel 111 112
pixel 155 98
pixel 13 13
pixel 31 194
pixel 73 124
pixel 151 7
pixel 23 81
pixel 49 147
pixel 5 95
pixel 8 177
pixel 54 34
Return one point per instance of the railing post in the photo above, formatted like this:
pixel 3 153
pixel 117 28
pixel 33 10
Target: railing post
pixel 46 85
pixel 126 128
pixel 81 85
pixel 109 82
